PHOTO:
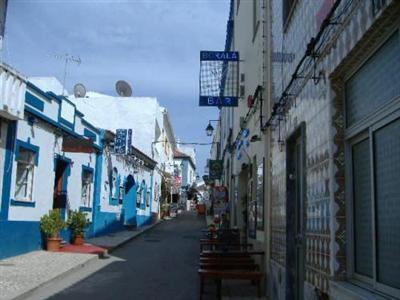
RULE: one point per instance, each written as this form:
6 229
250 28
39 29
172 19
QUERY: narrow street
160 264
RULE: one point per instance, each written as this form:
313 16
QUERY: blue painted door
129 203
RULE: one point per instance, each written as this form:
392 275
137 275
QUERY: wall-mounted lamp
210 128
255 138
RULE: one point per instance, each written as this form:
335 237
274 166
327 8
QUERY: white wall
42 136
75 179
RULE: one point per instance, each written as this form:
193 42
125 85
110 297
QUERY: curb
127 240
57 278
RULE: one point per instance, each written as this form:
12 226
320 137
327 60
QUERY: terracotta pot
53 244
78 240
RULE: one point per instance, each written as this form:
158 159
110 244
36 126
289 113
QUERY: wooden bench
219 275
227 259
228 266
217 245
208 253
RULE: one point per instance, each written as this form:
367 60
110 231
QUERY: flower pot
78 240
53 244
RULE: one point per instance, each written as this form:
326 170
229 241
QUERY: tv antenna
123 88
67 58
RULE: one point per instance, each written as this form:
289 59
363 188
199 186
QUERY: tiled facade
319 106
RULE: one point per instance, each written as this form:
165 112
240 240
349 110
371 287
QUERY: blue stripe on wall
90 134
8 163
34 101
19 237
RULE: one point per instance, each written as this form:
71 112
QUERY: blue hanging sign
120 141
129 140
219 55
218 101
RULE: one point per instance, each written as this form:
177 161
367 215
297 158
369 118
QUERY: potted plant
51 225
77 222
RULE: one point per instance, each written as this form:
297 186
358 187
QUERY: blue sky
152 44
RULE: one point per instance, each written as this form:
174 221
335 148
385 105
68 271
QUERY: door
60 185
129 202
295 215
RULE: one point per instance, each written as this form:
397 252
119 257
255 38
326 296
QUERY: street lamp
210 128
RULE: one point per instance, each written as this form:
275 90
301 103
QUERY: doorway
129 202
60 196
295 214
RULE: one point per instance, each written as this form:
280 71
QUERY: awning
76 144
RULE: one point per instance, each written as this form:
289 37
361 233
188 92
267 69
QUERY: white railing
12 93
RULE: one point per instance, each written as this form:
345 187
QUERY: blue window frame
27 158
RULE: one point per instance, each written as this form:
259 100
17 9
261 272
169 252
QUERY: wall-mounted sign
219 78
120 141
219 55
218 101
129 142
215 169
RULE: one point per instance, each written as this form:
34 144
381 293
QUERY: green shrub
52 223
77 222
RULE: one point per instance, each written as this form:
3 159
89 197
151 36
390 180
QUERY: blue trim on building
90 134
18 237
39 91
85 209
142 220
92 127
87 169
44 118
96 194
22 203
66 123
34 101
27 146
7 174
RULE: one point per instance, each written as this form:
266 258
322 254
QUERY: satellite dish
123 88
79 90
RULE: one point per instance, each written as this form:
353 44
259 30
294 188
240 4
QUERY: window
25 174
87 179
376 83
121 194
373 118
114 183
139 196
148 198
287 9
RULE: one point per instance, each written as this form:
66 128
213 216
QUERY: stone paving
23 273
